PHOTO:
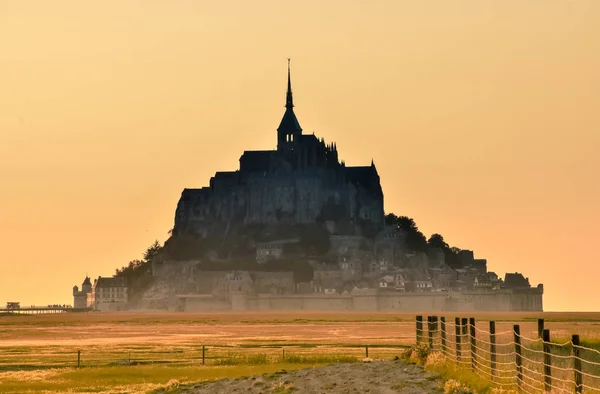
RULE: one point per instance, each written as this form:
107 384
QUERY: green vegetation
319 359
454 379
138 273
290 358
243 359
128 378
416 241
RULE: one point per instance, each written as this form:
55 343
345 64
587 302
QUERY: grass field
138 352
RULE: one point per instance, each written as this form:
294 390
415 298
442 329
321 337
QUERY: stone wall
273 282
375 300
201 303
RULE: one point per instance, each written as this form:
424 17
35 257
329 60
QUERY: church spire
289 129
289 100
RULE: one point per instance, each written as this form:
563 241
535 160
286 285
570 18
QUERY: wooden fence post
540 328
443 334
457 330
547 362
518 359
283 353
203 354
78 358
464 333
473 344
419 328
492 348
430 330
366 351
434 323
577 364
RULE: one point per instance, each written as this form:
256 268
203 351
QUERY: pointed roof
289 122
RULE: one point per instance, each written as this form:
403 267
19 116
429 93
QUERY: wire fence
510 356
511 360
249 350
191 355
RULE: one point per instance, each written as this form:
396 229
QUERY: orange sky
483 118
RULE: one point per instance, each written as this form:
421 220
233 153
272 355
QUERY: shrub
243 359
417 354
455 387
435 360
500 390
319 359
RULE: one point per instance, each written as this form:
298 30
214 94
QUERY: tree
138 268
415 240
314 240
152 251
437 241
452 258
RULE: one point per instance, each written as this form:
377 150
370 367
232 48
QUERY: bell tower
289 129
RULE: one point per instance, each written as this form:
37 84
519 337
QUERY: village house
272 250
351 268
108 294
443 277
418 281
466 277
273 282
392 280
234 282
327 278
329 286
482 283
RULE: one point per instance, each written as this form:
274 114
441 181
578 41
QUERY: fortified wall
373 300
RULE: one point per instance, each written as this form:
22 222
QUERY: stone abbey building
295 228
301 182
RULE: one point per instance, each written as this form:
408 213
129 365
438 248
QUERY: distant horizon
482 120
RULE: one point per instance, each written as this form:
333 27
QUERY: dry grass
137 352
137 379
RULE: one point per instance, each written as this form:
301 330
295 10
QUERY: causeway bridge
34 309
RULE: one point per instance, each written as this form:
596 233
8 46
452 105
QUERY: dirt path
379 377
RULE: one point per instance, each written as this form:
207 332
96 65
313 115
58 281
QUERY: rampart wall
372 300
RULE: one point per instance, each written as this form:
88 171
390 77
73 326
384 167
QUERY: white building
108 294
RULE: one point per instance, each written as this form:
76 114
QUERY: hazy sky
483 118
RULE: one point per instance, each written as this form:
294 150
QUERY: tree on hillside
138 268
152 251
415 240
437 241
452 258
314 240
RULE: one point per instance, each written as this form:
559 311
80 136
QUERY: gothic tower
289 129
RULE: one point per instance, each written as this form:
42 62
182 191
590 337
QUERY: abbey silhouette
302 181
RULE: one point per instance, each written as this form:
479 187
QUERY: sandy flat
379 377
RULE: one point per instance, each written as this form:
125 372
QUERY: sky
481 117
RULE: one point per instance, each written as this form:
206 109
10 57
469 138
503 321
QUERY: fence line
511 360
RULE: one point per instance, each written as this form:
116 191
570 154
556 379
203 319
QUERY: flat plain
141 351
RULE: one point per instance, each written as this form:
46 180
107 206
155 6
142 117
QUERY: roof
256 160
516 280
111 282
365 176
309 139
87 281
224 177
189 194
220 175
289 123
